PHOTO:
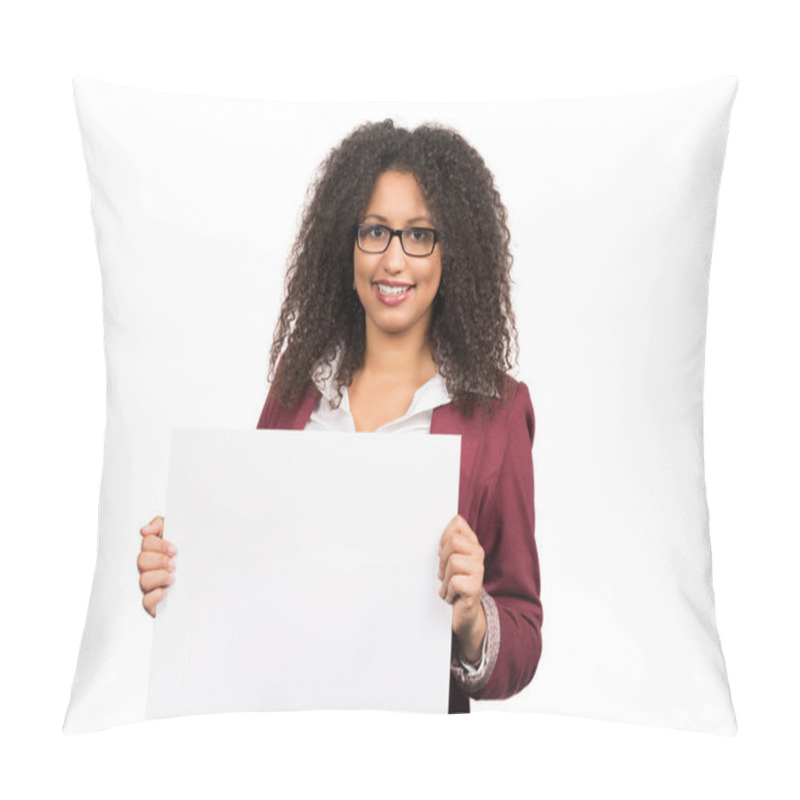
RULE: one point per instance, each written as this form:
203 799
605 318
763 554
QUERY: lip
392 300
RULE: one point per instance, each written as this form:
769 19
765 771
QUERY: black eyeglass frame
392 233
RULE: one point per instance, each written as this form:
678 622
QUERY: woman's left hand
461 573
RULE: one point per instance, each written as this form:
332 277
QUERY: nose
394 258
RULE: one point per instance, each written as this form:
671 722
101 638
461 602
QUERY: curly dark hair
473 333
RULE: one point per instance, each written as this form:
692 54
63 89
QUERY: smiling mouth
392 291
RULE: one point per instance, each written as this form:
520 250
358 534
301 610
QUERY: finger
153 528
458 543
463 527
445 554
149 560
462 586
158 545
451 528
154 578
152 599
456 525
459 564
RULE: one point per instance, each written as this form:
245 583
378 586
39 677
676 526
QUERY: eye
375 231
420 235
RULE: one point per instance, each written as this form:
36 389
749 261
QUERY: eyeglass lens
415 241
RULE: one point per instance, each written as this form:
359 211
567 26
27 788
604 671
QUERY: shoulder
514 407
519 397
512 399
510 407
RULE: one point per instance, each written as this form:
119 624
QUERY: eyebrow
409 222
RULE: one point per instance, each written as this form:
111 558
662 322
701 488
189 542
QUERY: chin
396 326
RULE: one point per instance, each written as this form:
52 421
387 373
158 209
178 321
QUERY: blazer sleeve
511 568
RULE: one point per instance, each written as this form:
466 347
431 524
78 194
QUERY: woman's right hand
156 564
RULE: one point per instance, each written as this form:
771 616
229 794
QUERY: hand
156 564
461 573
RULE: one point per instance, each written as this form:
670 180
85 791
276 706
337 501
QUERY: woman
397 317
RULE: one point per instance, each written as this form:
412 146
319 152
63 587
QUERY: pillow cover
612 205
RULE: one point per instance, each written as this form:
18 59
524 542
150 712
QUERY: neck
406 356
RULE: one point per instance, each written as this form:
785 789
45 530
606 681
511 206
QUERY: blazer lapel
306 408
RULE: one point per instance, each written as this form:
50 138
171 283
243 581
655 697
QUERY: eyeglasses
417 242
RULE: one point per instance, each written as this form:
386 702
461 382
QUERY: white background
53 386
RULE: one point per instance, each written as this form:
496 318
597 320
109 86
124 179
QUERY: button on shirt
417 419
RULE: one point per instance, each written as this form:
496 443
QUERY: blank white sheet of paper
306 574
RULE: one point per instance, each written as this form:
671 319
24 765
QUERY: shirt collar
431 394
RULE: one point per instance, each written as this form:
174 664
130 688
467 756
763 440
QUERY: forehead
397 194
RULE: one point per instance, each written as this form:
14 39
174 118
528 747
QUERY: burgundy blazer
496 499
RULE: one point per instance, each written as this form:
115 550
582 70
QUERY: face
397 203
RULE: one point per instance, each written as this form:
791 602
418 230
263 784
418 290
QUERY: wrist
470 640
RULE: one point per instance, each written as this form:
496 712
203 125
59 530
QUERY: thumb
154 528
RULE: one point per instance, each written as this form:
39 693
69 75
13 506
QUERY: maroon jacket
496 499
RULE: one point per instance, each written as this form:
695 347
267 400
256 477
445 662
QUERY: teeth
392 289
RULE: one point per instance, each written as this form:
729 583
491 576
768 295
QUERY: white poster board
306 572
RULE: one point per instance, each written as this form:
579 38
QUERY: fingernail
170 579
171 565
172 549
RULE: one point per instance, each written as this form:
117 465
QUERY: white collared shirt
417 419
